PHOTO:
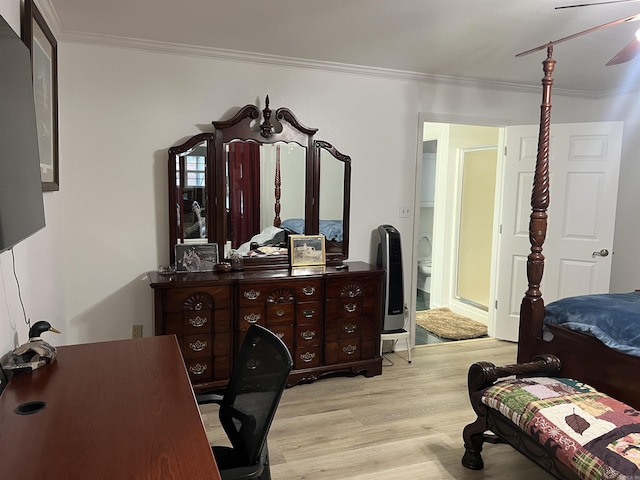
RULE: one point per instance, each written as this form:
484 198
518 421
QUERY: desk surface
115 410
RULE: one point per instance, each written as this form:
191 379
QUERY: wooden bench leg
473 436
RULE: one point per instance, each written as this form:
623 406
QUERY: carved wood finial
266 128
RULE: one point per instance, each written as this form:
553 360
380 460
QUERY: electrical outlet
136 331
405 211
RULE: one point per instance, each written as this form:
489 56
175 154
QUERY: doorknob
602 253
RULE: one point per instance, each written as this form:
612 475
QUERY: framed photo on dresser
306 250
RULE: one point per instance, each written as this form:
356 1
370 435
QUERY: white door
584 161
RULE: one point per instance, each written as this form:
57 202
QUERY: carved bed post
532 306
278 183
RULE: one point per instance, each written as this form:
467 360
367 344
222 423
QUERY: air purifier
388 253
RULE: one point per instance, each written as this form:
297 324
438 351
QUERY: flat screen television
21 201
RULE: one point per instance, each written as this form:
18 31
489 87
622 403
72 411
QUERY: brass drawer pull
309 290
349 349
308 312
308 334
251 294
252 318
280 335
280 313
350 327
350 307
307 357
198 306
197 346
197 369
198 321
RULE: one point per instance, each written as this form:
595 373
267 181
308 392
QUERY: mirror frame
242 127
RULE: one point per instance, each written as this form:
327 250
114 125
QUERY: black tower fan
389 257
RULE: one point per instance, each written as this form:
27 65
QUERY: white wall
121 109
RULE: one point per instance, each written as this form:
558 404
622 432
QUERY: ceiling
440 40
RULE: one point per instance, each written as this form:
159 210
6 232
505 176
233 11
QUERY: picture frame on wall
200 257
43 46
307 250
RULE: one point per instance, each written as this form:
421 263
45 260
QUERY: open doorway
455 195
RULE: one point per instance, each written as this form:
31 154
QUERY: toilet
424 262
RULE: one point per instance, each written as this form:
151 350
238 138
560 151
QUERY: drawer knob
350 307
350 327
280 335
308 312
197 369
308 334
198 321
280 313
309 290
252 318
198 306
251 294
197 346
307 357
349 349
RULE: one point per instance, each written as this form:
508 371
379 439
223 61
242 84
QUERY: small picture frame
306 250
201 257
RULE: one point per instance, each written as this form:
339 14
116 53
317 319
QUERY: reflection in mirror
189 214
335 177
265 187
191 193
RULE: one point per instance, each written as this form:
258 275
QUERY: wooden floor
404 424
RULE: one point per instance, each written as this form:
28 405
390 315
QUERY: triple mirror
254 181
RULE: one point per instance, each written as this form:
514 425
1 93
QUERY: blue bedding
613 318
331 229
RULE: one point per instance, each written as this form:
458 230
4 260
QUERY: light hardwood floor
404 424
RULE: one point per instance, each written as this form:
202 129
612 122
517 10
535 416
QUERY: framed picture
201 257
44 63
307 250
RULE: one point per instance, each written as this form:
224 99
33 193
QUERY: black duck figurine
36 352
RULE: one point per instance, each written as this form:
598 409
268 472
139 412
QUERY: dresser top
194 278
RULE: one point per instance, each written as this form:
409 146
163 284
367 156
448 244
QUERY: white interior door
584 161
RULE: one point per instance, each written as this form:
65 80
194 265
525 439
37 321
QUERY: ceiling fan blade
595 3
579 34
627 53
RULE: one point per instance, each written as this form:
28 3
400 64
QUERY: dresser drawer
280 314
249 316
206 298
206 345
342 329
307 357
199 369
284 333
342 351
309 290
353 286
198 322
309 312
310 334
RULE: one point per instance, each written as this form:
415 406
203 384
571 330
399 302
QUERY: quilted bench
567 427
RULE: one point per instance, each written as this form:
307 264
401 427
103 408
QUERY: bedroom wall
121 109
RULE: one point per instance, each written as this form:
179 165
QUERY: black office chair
249 404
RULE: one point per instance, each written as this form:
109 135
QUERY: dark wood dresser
329 318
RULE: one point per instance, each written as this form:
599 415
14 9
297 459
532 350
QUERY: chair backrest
252 396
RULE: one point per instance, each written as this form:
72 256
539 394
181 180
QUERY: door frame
443 170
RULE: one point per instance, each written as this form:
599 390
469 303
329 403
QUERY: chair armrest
484 374
208 398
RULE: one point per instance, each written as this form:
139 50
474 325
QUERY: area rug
443 323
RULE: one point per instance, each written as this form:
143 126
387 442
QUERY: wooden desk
115 410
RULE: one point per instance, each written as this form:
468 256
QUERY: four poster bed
571 406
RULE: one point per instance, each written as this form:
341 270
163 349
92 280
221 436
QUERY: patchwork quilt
595 435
